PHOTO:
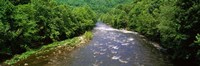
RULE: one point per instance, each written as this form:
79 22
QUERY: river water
109 47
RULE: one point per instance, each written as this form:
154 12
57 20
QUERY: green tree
18 2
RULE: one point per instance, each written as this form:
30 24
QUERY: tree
18 2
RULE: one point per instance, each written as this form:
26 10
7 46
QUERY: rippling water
111 47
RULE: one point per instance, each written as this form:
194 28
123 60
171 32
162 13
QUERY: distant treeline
99 6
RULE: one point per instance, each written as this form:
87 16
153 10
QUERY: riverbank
111 47
68 44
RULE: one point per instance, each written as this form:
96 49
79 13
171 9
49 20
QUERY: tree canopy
174 24
38 22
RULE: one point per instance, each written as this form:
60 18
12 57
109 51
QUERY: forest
29 24
174 24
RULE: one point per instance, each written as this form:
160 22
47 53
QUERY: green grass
88 35
46 48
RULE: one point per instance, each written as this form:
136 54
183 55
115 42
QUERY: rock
26 64
59 52
59 46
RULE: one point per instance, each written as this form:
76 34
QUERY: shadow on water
110 47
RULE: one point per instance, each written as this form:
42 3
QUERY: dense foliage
172 23
99 6
27 24
24 26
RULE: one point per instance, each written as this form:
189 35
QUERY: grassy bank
74 42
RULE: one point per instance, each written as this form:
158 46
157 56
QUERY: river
109 47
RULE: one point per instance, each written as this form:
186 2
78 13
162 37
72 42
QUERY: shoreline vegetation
70 44
31 24
171 23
